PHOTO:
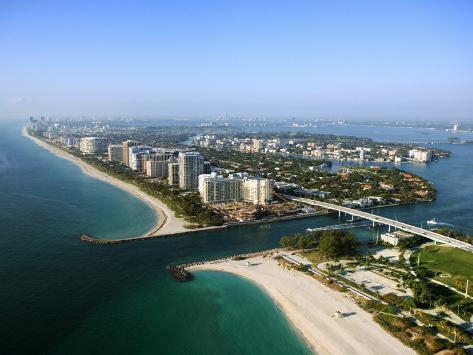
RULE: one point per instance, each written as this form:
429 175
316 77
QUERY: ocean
60 295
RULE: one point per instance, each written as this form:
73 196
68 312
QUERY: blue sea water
60 295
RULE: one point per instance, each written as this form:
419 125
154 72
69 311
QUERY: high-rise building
207 167
173 172
115 152
126 146
93 145
134 156
238 187
191 165
257 191
257 145
155 164
421 155
217 189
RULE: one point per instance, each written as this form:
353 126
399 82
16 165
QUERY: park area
448 265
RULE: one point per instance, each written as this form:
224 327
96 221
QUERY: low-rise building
394 238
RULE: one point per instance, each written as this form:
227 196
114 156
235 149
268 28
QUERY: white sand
167 222
309 306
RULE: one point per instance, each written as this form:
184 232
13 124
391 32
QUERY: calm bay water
59 295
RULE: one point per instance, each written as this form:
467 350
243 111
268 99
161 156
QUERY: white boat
432 221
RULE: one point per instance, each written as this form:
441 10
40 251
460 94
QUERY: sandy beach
167 222
309 306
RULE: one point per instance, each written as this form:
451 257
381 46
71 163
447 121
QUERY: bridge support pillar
373 224
389 228
339 214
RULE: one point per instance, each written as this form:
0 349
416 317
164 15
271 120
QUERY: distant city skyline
347 60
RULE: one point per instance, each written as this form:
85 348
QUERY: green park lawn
452 266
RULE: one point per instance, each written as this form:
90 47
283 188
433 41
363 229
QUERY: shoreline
167 223
309 306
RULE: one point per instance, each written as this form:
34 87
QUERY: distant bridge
387 221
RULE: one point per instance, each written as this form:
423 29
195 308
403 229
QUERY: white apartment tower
93 145
126 150
217 189
257 191
191 165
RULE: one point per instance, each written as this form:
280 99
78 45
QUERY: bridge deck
390 222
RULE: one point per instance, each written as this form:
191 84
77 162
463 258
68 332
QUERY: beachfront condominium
156 163
126 146
173 172
115 152
93 145
236 188
217 189
257 191
191 165
134 156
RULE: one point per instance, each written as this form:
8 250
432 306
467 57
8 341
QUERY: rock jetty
180 273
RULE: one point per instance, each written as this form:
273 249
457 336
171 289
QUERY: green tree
334 244
286 242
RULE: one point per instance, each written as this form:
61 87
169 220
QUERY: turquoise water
59 295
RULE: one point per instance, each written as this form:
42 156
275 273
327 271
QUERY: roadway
387 221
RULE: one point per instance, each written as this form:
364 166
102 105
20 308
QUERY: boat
432 221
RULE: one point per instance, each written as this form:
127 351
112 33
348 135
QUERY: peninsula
167 222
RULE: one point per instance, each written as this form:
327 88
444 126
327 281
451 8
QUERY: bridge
387 221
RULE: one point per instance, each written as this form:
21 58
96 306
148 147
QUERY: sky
318 59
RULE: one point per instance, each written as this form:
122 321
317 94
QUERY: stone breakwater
233 257
180 272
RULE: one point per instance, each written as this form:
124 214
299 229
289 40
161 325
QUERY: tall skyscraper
126 146
217 189
135 154
238 187
93 145
115 152
173 172
257 191
191 165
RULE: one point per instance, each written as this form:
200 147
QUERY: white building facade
191 165
93 145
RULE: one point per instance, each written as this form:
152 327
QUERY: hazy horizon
396 60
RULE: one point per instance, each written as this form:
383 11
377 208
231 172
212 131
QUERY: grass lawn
452 266
313 256
456 265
